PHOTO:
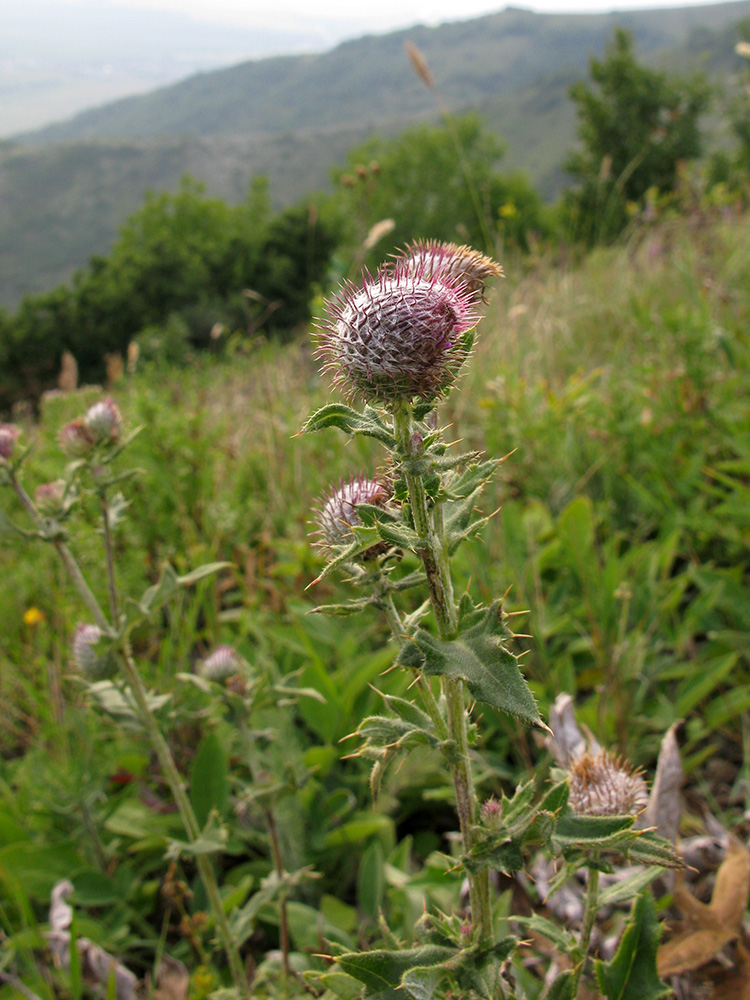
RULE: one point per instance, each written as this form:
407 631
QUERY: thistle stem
591 908
433 551
109 549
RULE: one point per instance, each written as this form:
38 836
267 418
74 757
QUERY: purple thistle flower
8 435
337 514
399 335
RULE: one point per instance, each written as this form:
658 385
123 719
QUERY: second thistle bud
103 422
338 512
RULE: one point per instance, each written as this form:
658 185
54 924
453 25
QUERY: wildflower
338 513
32 616
92 664
447 260
491 813
103 422
606 786
8 435
223 662
50 498
399 335
76 440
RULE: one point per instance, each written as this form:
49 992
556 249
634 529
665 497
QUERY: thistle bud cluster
101 425
50 498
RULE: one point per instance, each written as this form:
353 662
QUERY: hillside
66 189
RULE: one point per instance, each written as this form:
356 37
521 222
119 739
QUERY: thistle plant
101 646
397 343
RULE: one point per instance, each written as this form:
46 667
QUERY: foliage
422 181
181 256
636 126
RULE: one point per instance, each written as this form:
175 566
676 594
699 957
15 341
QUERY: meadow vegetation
615 382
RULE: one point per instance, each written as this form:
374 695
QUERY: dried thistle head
448 260
399 335
604 785
337 514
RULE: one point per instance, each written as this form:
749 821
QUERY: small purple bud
338 512
492 812
50 499
8 435
103 421
397 336
223 662
76 440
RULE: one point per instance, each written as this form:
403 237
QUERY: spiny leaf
632 975
477 657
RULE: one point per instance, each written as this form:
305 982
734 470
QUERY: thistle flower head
606 786
8 435
223 662
50 498
337 514
398 335
92 664
76 440
103 421
429 258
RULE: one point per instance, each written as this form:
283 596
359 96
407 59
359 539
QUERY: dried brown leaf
708 928
172 980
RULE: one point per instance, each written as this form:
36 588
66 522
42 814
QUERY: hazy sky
377 15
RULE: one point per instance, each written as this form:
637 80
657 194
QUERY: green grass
621 387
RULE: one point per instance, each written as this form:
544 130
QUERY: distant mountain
65 189
59 58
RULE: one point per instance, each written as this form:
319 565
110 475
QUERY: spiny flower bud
223 662
397 336
491 812
95 666
338 513
8 436
605 786
76 440
103 421
50 498
429 258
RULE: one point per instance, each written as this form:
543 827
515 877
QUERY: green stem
109 549
433 551
589 917
187 814
159 744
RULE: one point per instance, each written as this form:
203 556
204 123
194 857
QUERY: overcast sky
375 15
